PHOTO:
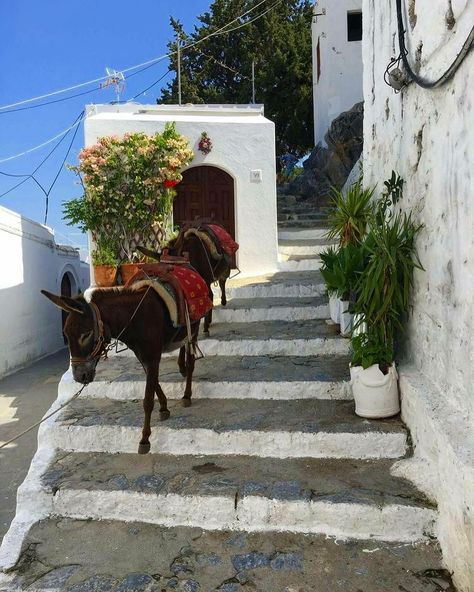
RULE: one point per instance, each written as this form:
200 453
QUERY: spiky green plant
350 217
385 285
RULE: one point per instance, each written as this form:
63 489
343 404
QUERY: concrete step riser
264 347
251 513
272 291
303 265
280 313
295 250
298 234
123 439
282 390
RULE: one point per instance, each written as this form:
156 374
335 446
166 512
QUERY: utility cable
428 84
42 144
150 63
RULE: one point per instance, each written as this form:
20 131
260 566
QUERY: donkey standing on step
141 321
201 258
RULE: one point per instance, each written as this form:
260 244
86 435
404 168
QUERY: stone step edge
393 522
276 313
281 390
204 441
319 346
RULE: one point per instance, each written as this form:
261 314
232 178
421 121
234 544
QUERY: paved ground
24 398
145 558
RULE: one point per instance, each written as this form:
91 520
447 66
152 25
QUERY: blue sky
51 44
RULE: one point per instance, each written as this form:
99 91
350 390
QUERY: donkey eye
85 337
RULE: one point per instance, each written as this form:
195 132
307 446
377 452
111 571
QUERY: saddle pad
227 243
192 286
206 240
195 291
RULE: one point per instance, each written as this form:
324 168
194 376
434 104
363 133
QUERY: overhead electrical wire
150 62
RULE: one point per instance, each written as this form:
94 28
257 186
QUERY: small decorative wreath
205 144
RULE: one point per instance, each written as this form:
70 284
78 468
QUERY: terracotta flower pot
128 270
105 276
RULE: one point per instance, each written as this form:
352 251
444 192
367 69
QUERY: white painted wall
30 326
243 140
340 84
428 137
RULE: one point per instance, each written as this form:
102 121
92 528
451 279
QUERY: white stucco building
427 136
30 327
234 184
337 61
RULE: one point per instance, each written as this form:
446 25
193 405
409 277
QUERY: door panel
206 192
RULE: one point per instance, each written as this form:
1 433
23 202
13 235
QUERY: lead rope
32 427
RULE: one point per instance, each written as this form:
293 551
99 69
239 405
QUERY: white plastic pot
334 308
375 393
345 319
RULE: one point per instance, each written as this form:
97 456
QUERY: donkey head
80 331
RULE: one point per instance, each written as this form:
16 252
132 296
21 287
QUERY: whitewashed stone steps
105 555
304 247
314 337
299 263
250 310
277 429
345 499
278 285
224 377
292 233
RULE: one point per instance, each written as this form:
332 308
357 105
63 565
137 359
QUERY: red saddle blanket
186 285
195 291
226 242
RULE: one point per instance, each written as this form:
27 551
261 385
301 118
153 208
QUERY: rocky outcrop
330 167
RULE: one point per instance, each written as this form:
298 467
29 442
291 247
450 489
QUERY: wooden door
206 192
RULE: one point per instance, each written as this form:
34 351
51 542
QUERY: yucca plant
342 268
385 284
350 217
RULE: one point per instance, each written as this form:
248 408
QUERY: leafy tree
218 70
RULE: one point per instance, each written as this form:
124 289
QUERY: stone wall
427 136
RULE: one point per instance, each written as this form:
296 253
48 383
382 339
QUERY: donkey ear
64 302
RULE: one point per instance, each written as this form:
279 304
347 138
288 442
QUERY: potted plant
129 187
383 299
351 214
105 264
329 258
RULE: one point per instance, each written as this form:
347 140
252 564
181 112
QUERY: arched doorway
66 290
206 192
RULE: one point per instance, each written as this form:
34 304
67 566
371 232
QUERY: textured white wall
242 139
427 136
340 84
30 326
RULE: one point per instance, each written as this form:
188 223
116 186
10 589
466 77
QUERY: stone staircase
268 483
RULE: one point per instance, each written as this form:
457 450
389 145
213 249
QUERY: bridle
101 342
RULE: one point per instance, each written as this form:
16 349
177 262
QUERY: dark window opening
354 26
318 59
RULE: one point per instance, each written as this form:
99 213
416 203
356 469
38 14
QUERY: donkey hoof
183 372
144 448
206 332
186 402
224 302
164 415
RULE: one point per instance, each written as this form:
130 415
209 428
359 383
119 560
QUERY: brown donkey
201 255
141 321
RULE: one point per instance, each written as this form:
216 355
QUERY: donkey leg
208 317
148 404
182 361
222 287
164 413
189 377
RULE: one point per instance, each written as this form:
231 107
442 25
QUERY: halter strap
99 337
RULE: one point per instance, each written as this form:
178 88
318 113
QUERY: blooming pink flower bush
128 188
